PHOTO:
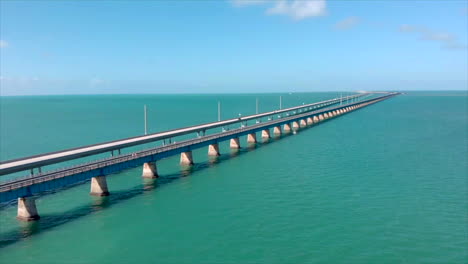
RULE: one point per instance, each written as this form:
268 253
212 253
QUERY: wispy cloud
296 9
3 43
94 82
445 39
299 9
347 23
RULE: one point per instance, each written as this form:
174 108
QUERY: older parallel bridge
24 189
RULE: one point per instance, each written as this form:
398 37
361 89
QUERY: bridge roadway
28 163
35 184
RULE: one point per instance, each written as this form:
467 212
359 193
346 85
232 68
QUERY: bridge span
37 161
24 189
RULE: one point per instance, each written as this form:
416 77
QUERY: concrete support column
330 114
287 128
186 158
295 125
310 121
303 123
325 116
266 133
149 170
213 149
99 186
277 130
321 117
252 138
316 119
27 210
234 144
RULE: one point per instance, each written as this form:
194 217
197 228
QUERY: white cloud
94 82
3 43
438 36
455 46
298 9
445 39
347 23
407 28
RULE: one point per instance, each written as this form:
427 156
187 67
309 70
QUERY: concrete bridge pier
321 117
252 138
99 186
186 158
266 134
277 130
295 125
309 121
213 150
326 116
149 170
27 210
234 144
303 123
315 119
287 128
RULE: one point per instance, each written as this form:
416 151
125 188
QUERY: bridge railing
16 165
102 163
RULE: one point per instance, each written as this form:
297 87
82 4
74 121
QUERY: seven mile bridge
24 190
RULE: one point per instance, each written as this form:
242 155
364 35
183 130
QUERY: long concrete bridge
24 189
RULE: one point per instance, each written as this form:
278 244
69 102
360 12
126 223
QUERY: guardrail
11 166
64 172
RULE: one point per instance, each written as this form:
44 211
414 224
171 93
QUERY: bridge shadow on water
48 222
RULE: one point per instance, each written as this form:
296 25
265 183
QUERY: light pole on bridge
146 121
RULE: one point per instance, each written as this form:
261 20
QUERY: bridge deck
53 179
17 165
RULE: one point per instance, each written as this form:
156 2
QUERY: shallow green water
384 184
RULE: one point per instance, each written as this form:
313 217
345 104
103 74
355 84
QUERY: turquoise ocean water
384 184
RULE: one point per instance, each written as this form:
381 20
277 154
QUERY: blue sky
65 47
